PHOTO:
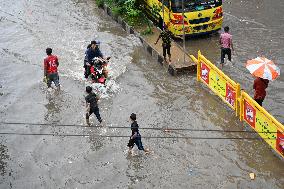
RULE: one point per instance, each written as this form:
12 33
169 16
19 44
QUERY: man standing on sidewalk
166 44
226 45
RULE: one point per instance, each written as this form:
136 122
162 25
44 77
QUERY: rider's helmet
98 43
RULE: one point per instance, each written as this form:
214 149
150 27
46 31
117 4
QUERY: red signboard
230 95
204 74
249 114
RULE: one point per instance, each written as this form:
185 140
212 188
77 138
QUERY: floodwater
138 85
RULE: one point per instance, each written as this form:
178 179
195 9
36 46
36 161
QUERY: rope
124 136
145 128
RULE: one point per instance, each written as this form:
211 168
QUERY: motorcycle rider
91 52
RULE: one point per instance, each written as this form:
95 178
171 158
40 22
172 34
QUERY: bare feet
147 151
130 152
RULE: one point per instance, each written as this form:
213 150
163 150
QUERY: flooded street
138 84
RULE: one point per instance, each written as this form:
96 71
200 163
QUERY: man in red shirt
259 87
50 69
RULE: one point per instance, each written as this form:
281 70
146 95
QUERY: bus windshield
194 5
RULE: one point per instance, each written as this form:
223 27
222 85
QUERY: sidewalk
177 63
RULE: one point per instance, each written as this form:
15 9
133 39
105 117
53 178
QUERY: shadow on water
97 143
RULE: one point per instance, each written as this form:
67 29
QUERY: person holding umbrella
264 70
259 87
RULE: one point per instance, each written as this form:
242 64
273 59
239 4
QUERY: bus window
194 5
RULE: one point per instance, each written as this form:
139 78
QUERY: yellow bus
200 16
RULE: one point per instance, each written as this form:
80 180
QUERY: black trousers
166 50
87 70
96 111
259 101
137 141
224 52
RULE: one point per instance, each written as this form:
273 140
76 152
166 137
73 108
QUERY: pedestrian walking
226 45
92 105
259 87
135 136
166 43
50 69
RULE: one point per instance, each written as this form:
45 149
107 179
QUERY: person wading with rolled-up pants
135 136
92 105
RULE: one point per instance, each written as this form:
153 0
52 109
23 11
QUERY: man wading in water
50 69
226 45
135 136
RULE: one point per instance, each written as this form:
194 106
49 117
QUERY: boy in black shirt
135 136
92 105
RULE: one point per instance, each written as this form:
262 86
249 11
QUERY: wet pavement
138 85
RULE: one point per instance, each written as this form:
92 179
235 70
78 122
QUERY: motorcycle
99 72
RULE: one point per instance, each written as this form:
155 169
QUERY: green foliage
147 31
130 10
155 10
100 3
117 10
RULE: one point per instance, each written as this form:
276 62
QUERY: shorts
53 77
224 52
136 141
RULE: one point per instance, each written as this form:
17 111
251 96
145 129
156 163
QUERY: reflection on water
134 171
53 109
96 142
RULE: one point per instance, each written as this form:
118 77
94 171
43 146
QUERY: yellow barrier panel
249 110
218 82
263 123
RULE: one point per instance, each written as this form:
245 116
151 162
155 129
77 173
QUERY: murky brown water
28 27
